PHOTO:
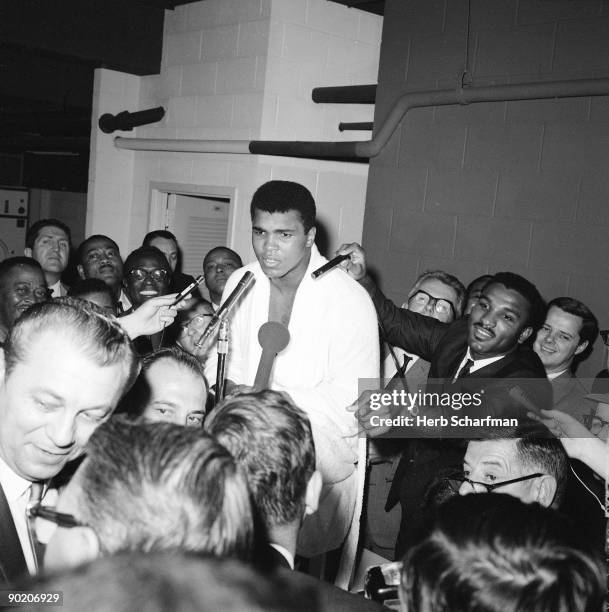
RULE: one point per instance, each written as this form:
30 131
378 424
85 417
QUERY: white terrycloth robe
333 343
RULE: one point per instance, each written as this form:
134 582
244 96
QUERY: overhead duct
365 149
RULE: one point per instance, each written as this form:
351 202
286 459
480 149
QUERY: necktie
464 371
398 380
36 492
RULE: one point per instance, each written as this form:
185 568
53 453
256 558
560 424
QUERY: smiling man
99 257
48 242
566 335
22 284
333 343
62 371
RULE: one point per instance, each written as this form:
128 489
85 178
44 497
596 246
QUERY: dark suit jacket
12 561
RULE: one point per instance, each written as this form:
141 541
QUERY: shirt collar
284 552
480 363
12 484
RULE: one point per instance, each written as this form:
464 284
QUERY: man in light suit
48 241
483 353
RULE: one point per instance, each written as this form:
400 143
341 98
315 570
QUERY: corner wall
242 69
518 186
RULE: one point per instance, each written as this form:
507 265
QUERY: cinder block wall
519 186
240 69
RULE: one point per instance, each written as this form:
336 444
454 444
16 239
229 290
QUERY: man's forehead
290 219
437 288
24 273
491 451
497 292
52 231
148 261
565 320
100 243
220 255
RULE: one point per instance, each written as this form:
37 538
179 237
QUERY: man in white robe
333 343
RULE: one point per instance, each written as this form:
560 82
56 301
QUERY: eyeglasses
50 514
197 323
140 274
595 424
456 482
440 305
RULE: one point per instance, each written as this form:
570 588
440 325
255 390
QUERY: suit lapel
12 561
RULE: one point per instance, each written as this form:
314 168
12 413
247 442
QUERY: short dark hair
519 284
222 248
589 330
159 486
9 264
88 286
80 251
166 234
34 230
97 334
145 251
283 196
492 553
271 439
485 278
135 402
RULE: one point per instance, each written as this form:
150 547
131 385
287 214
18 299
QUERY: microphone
247 280
273 338
328 266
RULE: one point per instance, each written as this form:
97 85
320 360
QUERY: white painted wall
240 69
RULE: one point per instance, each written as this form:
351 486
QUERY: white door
200 224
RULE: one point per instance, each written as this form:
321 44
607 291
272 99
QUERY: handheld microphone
328 266
273 338
247 280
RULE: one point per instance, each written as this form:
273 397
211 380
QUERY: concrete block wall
244 69
516 186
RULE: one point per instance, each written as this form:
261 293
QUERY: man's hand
364 413
355 266
152 316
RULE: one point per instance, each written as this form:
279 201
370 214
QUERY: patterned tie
398 381
36 492
464 371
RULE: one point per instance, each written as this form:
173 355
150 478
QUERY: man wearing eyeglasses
147 274
22 284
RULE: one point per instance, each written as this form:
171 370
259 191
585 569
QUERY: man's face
169 248
493 461
281 245
22 287
474 294
51 249
193 322
497 323
434 299
147 278
177 395
558 341
217 267
102 260
51 403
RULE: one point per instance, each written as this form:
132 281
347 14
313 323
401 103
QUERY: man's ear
313 493
524 334
81 272
311 237
27 252
581 347
544 490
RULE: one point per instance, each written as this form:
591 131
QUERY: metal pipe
365 126
126 121
345 94
364 149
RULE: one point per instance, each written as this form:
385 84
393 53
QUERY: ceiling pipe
365 126
365 149
345 94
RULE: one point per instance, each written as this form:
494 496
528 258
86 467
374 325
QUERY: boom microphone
247 280
273 338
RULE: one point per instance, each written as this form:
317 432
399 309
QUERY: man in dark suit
484 353
271 440
63 369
